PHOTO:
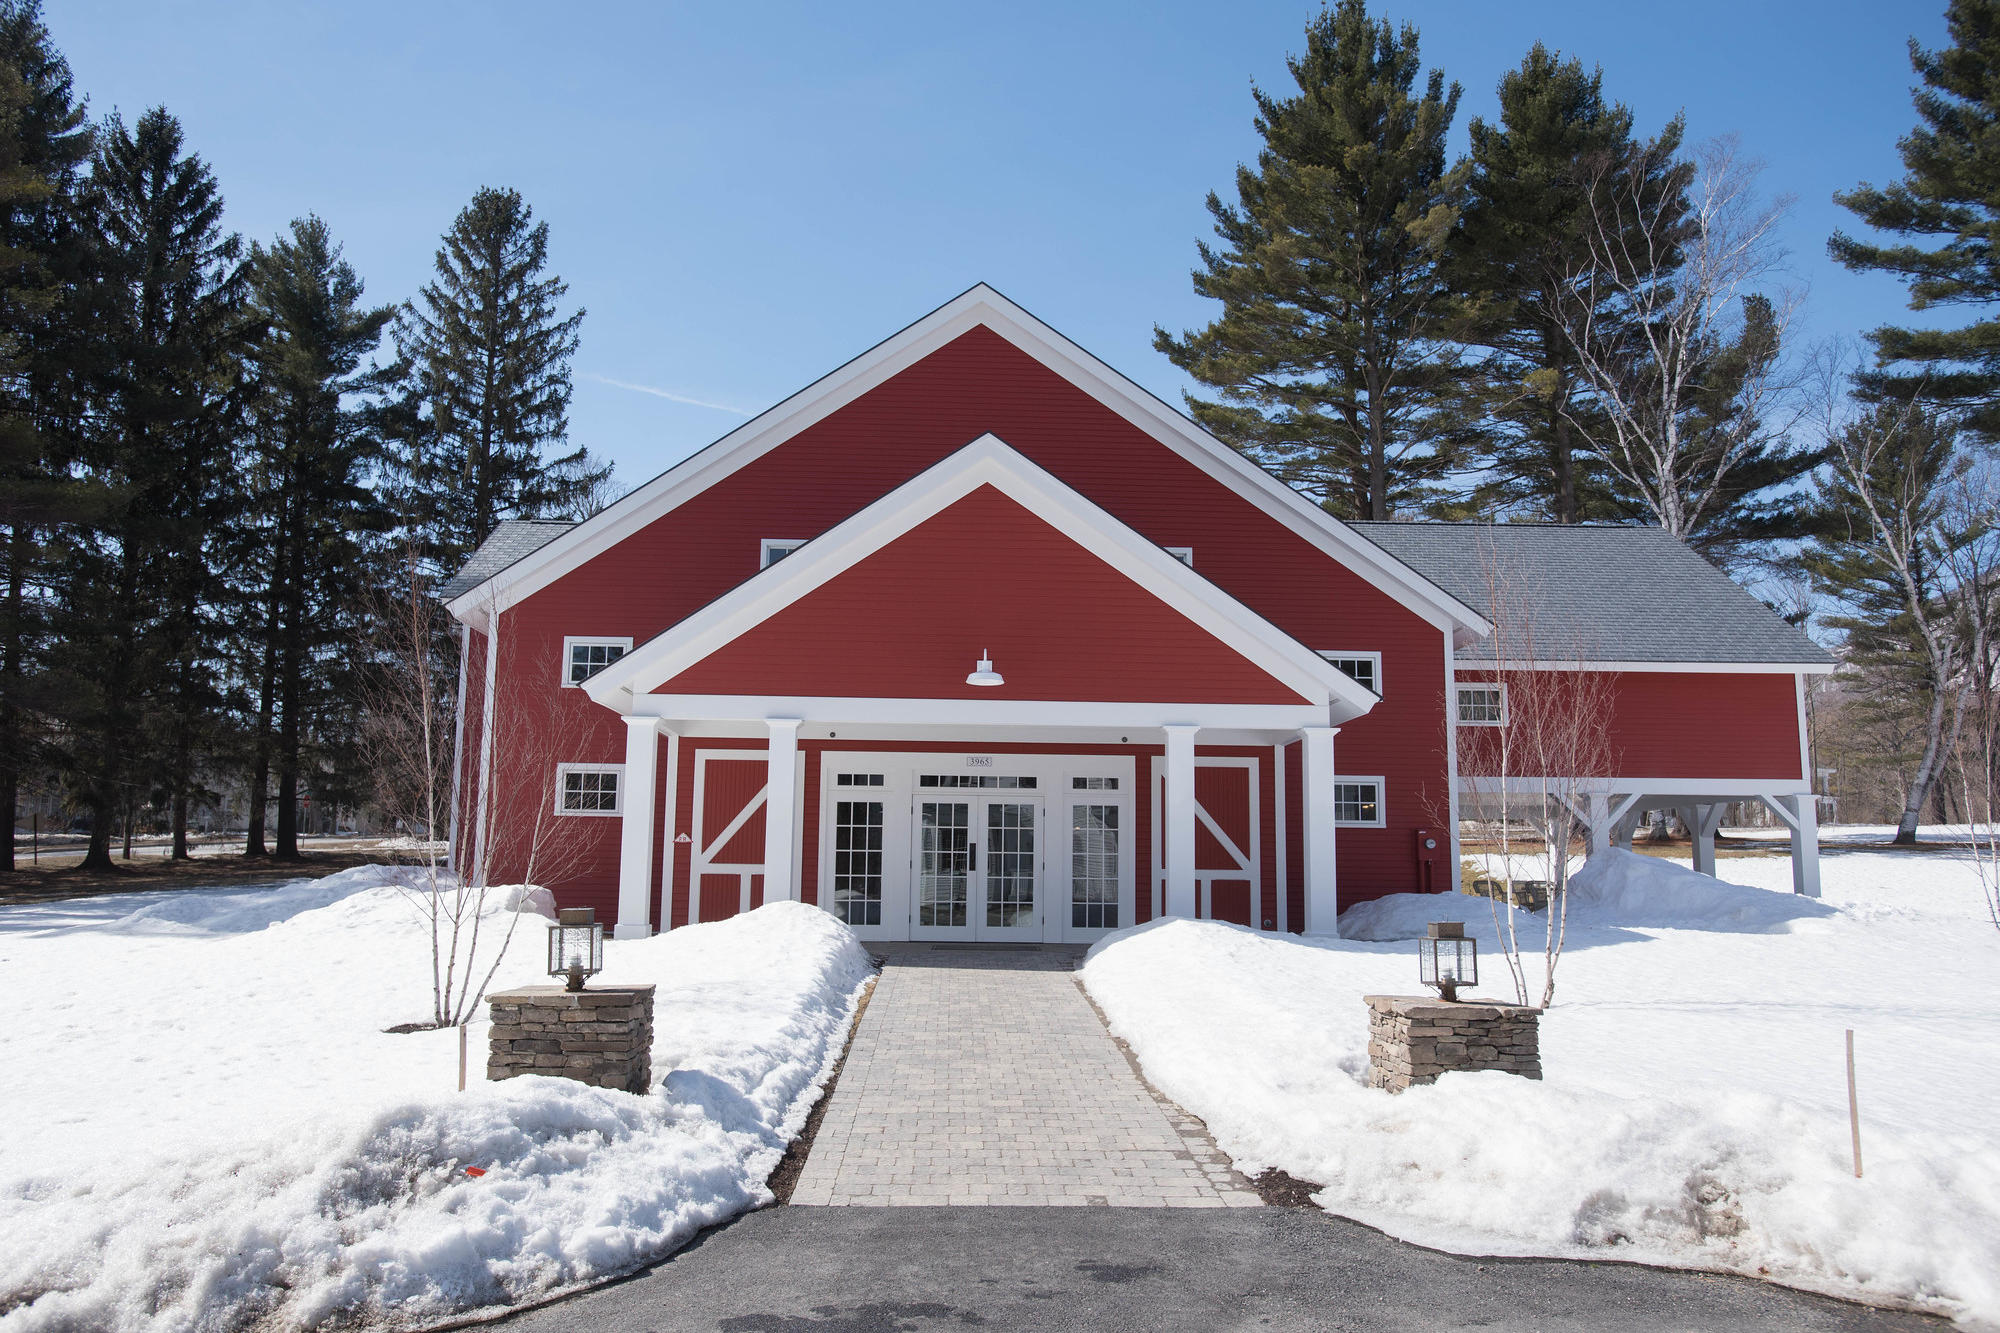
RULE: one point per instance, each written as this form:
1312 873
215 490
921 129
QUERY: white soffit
987 461
981 305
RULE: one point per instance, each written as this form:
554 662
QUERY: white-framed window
584 657
773 549
1357 802
1482 705
1365 668
1184 554
590 789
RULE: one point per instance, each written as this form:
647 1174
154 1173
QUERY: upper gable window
773 549
1365 668
1184 554
584 658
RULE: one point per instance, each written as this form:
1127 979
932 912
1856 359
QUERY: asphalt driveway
873 1270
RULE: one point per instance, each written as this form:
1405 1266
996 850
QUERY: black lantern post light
1446 959
576 946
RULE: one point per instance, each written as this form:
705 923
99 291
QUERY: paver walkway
987 1078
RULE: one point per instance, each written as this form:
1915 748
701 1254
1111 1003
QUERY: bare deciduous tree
1682 355
1542 765
408 741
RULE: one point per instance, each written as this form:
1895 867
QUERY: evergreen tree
139 651
1948 205
308 549
489 357
44 142
1522 241
1332 355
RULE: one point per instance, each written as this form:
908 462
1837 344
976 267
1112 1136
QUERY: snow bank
1694 1113
227 1138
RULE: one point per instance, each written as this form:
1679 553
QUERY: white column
1322 886
1702 828
635 842
1600 824
1805 843
781 816
1179 819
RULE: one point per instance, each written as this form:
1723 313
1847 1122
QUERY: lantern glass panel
582 946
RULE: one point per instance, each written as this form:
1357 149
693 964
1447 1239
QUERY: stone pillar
1316 803
781 810
1179 819
1413 1039
635 843
603 1037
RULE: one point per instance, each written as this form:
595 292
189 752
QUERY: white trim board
977 307
987 461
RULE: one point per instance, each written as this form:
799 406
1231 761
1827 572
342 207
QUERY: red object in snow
475 1170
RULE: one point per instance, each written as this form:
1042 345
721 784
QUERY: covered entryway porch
1020 833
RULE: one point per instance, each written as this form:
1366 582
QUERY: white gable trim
979 306
987 461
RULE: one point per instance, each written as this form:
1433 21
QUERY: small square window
588 789
1482 705
1184 554
584 658
1358 801
1093 784
773 549
1364 668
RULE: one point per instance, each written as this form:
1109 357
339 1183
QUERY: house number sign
979 761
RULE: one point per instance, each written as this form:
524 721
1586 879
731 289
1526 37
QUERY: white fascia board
847 711
1709 668
987 461
1714 789
979 306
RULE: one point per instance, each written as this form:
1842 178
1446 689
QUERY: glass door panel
1095 870
1010 864
857 862
944 863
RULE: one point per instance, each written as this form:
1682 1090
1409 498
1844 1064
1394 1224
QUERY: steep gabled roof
986 462
513 539
981 306
1617 594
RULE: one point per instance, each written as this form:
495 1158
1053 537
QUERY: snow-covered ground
1694 1111
208 1128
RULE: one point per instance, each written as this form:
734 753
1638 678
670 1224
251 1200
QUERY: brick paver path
988 1078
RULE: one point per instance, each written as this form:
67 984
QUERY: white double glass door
979 866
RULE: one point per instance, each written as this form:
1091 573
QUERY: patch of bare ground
785 1176
30 884
1280 1190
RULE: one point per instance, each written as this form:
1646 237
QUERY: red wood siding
1680 724
910 620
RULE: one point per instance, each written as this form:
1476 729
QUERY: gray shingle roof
514 538
1606 593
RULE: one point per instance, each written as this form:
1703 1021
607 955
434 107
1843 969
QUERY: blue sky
746 195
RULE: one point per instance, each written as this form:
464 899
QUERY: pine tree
44 142
1522 240
1332 355
1948 205
140 652
489 357
309 542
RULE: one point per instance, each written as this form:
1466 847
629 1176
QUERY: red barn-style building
975 639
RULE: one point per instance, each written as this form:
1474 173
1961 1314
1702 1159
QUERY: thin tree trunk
19 542
1926 774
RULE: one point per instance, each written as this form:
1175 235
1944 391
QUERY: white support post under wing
1600 824
635 841
781 811
1805 843
1706 820
1321 882
1179 819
